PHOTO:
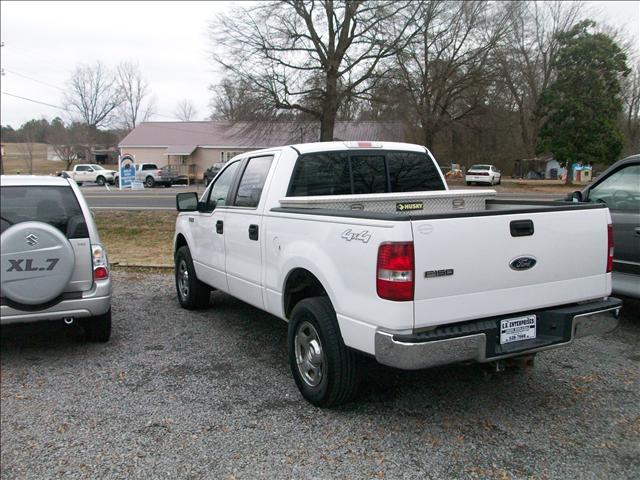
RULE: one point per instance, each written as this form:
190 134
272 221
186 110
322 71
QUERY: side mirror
575 197
187 202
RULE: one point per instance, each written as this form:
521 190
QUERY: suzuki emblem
31 240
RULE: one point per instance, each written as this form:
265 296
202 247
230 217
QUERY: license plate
517 329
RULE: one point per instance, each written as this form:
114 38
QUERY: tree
583 103
631 99
186 110
235 101
29 132
66 141
310 57
137 105
444 72
524 57
94 94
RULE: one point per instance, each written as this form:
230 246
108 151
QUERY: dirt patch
137 237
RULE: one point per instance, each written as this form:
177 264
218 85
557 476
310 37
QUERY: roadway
110 198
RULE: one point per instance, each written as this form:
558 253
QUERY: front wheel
98 328
192 293
324 369
149 182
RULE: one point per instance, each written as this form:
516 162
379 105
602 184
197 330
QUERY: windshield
97 167
480 167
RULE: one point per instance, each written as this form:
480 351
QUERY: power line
33 79
35 101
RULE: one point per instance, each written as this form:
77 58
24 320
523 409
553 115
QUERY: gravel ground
177 394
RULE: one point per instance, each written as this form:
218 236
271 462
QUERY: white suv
53 264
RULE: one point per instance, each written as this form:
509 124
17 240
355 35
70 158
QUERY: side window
81 168
620 191
252 182
218 192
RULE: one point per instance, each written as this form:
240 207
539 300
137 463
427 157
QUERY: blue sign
127 170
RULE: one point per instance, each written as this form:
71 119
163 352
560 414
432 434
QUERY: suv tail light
609 248
100 262
395 272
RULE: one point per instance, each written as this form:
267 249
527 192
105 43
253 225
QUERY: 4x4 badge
31 240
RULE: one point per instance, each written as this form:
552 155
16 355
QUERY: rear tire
100 181
149 182
116 182
192 293
468 183
326 372
98 328
167 185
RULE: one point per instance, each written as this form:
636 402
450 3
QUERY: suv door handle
219 226
253 232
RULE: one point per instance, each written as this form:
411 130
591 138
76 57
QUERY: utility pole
1 146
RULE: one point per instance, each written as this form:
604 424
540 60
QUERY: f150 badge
363 237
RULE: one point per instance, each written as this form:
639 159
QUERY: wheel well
300 284
180 242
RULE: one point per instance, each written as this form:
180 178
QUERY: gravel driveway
177 394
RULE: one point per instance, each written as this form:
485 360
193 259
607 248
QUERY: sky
44 41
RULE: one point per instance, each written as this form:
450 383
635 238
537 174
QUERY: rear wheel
324 369
98 328
167 185
149 182
100 181
116 182
192 293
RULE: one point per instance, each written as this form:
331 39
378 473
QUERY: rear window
347 172
57 206
479 167
149 166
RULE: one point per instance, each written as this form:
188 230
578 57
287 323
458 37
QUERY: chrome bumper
414 355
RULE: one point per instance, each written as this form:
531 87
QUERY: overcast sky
45 40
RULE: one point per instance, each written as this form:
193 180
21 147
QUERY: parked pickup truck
150 175
363 249
86 172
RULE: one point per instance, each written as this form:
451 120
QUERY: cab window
620 191
252 182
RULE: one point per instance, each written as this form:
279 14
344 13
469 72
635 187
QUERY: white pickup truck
363 249
89 172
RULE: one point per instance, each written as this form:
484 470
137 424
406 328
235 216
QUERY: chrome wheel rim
183 279
309 354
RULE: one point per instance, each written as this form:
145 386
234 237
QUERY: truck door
243 235
208 231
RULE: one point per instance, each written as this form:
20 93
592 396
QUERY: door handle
253 232
219 226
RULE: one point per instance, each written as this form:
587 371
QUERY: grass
137 237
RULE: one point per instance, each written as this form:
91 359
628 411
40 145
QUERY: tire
98 328
167 185
100 181
149 182
333 378
116 182
192 293
493 180
468 183
499 180
79 184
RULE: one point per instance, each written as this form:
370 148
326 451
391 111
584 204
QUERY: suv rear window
358 172
57 206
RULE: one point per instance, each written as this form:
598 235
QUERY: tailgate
470 267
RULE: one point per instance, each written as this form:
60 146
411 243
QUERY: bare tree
310 56
28 145
445 72
186 110
235 101
137 105
525 54
631 99
67 141
94 94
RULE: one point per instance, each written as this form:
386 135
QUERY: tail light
100 262
609 248
395 272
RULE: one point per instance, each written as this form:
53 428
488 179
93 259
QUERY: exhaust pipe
68 320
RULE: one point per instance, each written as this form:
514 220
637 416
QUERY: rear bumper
478 341
96 301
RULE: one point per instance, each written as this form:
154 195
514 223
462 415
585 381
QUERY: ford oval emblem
523 263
